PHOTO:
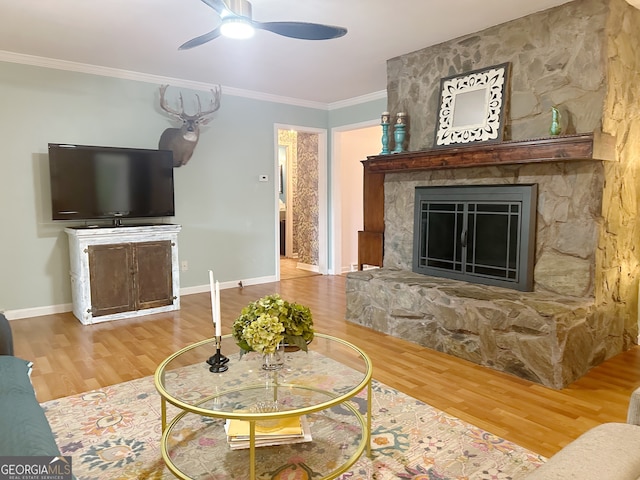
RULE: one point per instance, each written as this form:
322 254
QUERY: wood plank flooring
289 270
71 358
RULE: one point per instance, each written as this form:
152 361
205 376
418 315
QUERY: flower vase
275 360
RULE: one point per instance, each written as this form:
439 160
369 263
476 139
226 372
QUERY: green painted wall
227 216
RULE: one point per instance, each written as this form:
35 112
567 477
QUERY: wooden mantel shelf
589 146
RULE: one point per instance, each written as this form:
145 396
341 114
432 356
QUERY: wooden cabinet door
111 273
153 281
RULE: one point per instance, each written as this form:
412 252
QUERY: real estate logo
35 468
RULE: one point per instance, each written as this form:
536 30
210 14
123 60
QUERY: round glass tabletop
331 371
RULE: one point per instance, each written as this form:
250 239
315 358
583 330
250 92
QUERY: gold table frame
252 418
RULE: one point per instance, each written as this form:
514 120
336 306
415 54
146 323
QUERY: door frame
322 195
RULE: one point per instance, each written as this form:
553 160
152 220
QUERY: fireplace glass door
482 234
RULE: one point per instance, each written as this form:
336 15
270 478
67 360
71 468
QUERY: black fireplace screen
482 234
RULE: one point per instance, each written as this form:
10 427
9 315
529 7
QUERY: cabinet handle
463 239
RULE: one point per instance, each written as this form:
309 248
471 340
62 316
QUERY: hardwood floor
71 358
289 270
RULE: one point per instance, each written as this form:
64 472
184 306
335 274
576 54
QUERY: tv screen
90 182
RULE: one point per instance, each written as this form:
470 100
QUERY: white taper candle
218 318
213 298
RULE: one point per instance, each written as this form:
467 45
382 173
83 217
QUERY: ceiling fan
237 23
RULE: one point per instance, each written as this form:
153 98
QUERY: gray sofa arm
6 339
633 413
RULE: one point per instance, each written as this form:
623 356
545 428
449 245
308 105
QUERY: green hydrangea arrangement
271 320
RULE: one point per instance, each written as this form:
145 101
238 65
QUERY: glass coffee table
328 388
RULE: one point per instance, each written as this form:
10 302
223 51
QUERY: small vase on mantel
556 127
275 360
399 132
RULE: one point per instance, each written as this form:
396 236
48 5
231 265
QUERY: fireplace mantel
589 146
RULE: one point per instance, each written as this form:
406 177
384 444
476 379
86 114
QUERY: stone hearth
549 339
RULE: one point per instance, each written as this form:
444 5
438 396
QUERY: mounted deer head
182 141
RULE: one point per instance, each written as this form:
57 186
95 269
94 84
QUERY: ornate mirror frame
472 106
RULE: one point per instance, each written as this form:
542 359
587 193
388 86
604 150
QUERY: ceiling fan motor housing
239 7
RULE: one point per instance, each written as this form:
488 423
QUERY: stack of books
279 431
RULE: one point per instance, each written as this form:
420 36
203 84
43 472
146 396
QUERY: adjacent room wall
354 146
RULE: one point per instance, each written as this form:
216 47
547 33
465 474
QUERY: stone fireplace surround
584 61
552 335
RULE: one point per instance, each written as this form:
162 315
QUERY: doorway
351 144
301 225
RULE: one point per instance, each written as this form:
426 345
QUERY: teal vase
399 132
555 128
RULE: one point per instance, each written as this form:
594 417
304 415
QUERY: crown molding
45 62
358 100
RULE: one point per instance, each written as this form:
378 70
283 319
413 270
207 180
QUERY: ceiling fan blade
218 5
194 42
302 30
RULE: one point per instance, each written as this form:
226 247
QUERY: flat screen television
91 183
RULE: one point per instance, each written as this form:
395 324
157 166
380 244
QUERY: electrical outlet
184 265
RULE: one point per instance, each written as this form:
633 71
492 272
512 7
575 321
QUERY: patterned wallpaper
305 202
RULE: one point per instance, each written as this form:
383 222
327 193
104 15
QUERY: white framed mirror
472 106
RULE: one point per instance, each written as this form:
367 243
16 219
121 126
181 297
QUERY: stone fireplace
583 307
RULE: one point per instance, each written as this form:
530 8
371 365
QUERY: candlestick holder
399 132
218 362
384 123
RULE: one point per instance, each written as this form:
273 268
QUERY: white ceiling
144 35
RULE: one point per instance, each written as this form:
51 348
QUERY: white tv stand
123 272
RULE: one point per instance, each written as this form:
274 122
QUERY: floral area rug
114 433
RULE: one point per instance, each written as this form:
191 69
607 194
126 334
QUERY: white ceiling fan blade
302 30
195 42
219 6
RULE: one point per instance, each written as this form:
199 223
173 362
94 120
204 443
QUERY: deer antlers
215 104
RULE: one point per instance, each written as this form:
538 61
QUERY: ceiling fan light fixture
237 27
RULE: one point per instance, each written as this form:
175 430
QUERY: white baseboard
67 307
225 285
37 311
353 267
308 268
